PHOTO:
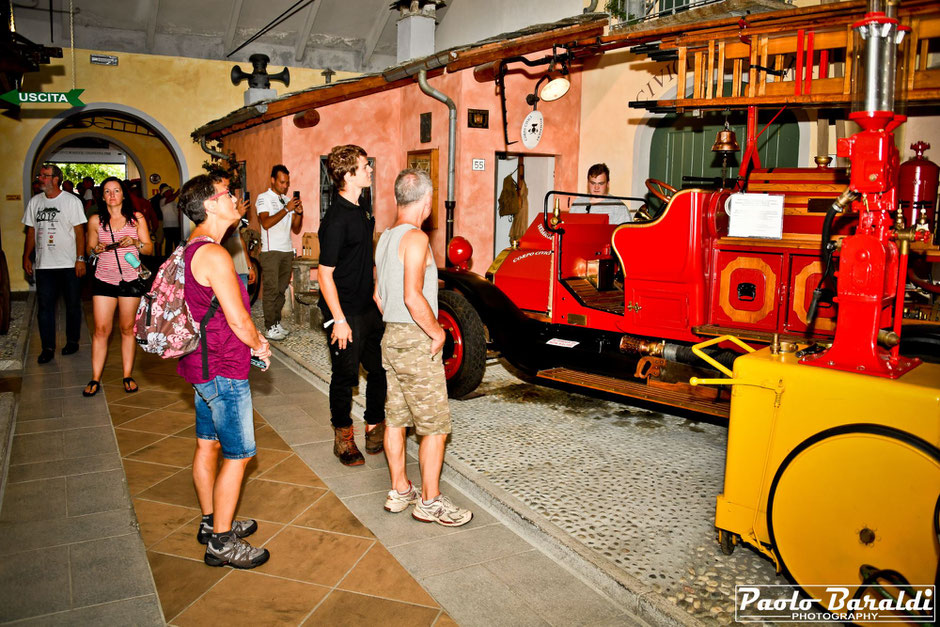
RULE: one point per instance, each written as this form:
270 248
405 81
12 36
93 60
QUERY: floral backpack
164 325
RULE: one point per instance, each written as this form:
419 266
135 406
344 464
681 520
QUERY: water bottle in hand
135 263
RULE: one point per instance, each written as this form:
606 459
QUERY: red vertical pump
873 261
917 188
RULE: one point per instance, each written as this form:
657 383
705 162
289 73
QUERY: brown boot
344 447
375 439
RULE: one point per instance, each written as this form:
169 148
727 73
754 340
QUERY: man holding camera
278 215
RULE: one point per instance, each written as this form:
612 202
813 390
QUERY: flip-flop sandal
127 385
94 385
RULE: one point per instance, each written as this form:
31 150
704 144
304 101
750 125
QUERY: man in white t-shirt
279 216
55 231
598 184
171 220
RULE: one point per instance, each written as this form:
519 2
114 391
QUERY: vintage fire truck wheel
852 498
465 346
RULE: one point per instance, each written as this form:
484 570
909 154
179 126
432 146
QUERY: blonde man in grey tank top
406 294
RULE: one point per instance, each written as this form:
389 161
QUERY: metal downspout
591 8
450 203
242 173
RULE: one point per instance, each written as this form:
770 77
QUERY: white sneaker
398 502
284 332
273 333
441 510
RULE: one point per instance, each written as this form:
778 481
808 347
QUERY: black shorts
101 288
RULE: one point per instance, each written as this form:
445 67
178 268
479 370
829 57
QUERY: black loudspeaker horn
259 78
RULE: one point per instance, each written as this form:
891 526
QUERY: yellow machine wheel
853 497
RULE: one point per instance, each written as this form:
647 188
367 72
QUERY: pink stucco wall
260 148
387 126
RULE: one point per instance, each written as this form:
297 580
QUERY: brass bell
726 141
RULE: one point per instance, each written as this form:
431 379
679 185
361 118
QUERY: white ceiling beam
232 25
372 39
304 34
152 23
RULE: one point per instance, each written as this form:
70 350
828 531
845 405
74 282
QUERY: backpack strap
213 307
203 341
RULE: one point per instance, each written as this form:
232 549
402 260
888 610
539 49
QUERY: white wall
469 21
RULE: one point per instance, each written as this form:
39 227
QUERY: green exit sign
18 98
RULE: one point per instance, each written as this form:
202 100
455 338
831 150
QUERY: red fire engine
617 308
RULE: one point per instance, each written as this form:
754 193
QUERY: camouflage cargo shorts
417 388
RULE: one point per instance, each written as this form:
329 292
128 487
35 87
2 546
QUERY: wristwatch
80 258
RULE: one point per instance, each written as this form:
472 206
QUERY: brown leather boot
375 439
344 447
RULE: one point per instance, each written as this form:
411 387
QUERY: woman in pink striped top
115 224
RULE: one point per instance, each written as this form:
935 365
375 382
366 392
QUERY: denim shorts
224 413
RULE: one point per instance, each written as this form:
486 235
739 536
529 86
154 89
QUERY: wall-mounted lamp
554 89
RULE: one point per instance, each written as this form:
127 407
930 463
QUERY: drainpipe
450 203
242 175
591 8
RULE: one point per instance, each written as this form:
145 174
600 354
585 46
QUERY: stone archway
52 125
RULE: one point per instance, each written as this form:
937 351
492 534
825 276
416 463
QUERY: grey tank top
390 273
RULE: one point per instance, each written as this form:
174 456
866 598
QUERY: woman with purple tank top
113 233
224 416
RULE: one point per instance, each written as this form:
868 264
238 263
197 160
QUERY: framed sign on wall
427 160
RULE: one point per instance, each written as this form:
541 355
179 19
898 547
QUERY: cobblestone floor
9 351
635 486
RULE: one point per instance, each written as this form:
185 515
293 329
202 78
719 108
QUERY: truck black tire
465 346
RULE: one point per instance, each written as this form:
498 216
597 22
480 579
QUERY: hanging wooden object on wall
426 160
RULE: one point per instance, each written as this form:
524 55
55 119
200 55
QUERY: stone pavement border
624 590
8 399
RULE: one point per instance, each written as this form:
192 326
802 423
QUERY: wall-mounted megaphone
259 78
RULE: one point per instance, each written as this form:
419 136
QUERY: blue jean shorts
224 413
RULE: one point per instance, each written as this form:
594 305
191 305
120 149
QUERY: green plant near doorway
98 172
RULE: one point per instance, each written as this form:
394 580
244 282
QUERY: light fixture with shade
556 87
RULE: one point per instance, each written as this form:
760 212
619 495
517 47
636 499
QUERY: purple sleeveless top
228 356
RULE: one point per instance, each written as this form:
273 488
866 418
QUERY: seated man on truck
598 184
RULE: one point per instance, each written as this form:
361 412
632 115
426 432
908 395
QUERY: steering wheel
660 189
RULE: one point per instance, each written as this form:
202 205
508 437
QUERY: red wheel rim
454 357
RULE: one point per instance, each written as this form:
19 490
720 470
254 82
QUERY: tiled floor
325 567
79 489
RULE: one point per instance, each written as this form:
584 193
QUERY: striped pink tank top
107 267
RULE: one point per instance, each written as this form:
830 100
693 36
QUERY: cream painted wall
179 94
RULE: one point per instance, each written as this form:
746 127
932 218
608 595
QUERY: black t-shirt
346 245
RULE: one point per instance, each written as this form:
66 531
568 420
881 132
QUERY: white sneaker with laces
442 511
284 332
273 333
398 502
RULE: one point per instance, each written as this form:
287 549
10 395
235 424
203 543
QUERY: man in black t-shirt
351 319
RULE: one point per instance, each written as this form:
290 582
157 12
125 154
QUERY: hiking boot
344 446
241 528
230 550
375 439
398 502
442 511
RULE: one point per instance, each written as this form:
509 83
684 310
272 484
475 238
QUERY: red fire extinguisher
917 188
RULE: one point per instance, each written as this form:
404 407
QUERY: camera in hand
113 246
296 194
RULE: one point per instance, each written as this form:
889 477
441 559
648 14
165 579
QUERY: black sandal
127 385
95 385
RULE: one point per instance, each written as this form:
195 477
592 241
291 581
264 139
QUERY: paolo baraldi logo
878 602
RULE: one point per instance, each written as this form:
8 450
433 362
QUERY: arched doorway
68 126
